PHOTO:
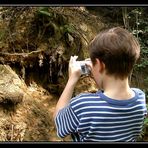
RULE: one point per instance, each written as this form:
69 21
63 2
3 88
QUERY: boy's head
117 49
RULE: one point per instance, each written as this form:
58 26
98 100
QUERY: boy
116 112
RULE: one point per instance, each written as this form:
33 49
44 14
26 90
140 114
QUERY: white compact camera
84 68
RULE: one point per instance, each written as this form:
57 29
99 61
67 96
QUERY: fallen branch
19 57
20 54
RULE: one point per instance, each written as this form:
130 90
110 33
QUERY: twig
12 132
81 34
20 54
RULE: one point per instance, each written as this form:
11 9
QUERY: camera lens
83 68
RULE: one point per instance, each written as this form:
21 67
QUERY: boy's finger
75 57
71 59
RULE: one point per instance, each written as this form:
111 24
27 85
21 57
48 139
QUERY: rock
25 112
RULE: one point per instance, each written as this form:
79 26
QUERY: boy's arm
74 75
66 95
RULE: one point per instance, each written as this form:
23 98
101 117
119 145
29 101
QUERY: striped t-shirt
95 117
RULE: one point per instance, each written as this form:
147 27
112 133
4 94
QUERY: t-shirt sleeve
66 122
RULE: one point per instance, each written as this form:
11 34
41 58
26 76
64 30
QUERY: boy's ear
101 65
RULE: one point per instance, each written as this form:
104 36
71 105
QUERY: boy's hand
74 69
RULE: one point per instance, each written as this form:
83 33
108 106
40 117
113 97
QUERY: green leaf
146 121
46 13
43 9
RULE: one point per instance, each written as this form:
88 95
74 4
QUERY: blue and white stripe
95 117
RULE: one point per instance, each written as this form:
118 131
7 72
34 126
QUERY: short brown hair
118 49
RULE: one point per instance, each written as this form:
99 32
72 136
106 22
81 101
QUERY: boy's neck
117 89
